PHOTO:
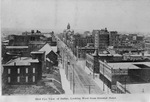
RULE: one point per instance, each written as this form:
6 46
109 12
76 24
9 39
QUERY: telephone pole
89 88
77 52
125 84
73 80
63 57
67 67
103 79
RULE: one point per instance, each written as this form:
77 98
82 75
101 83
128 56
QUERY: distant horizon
58 31
83 15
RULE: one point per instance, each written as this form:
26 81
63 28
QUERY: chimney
105 29
14 63
32 31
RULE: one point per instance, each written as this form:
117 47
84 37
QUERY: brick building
113 38
23 70
101 39
126 73
82 41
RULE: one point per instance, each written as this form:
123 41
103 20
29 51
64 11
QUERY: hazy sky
120 15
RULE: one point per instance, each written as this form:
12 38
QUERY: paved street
81 78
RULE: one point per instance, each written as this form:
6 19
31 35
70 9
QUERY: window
8 79
33 78
33 70
8 71
26 78
26 70
18 79
18 70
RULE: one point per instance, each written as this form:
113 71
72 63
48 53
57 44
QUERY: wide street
83 83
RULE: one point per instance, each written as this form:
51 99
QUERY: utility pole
125 85
103 79
73 80
67 67
77 52
89 88
63 57
93 73
70 80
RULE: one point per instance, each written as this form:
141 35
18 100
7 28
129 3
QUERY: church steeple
68 26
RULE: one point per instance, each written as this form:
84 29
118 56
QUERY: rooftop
16 47
21 61
138 88
5 41
128 65
37 52
37 42
47 48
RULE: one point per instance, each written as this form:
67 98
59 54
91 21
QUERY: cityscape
96 62
99 47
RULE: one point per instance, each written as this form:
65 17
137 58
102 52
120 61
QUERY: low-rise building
112 73
23 70
50 57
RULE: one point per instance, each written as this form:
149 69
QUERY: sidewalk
96 79
65 83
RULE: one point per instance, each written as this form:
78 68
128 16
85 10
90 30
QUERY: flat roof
117 55
21 61
5 41
123 66
37 52
138 88
105 54
37 42
127 65
16 47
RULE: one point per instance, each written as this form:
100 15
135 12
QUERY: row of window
18 70
18 79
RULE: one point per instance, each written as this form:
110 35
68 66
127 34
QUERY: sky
119 15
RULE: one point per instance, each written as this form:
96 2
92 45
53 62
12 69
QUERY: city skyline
119 15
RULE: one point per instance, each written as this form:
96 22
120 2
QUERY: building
22 45
23 70
40 55
116 74
101 39
113 38
82 51
50 57
129 73
92 62
67 34
147 45
12 52
24 40
82 41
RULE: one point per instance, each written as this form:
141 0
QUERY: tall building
82 41
101 39
67 34
113 38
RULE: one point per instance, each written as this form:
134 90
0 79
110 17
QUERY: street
83 83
